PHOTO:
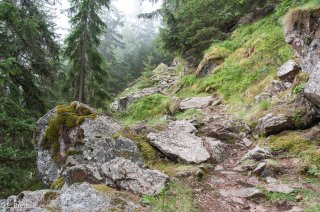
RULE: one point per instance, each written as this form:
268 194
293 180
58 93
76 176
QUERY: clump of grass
148 107
178 197
190 114
189 80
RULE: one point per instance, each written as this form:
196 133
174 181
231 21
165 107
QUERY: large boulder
303 33
195 102
179 143
74 141
78 197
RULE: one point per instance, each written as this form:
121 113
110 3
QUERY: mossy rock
67 117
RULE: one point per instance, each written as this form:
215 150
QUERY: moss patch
67 117
57 184
148 152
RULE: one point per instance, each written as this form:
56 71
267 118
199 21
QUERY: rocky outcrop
85 142
288 71
195 102
179 143
78 197
303 33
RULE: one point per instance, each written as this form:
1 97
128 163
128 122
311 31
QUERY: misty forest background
101 55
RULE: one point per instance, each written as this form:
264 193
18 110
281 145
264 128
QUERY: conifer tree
87 77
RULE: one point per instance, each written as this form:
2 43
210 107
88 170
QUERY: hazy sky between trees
130 9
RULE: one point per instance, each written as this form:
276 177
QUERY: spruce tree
87 77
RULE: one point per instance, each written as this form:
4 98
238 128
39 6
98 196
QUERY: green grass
310 198
190 114
149 107
178 197
297 145
258 49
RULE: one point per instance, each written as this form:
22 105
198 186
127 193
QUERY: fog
130 9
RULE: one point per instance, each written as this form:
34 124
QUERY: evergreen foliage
87 77
28 62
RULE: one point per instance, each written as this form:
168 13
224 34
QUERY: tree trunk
82 75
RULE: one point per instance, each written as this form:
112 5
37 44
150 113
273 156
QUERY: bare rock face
129 175
303 33
288 71
196 102
180 143
84 145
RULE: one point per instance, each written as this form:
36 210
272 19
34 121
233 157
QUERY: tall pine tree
87 77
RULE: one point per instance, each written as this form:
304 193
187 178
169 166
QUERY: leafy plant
298 89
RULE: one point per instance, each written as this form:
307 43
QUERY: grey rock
183 174
288 85
84 197
180 143
92 146
288 71
272 124
128 175
242 193
217 149
82 173
259 168
31 200
195 102
218 168
279 187
262 96
247 142
276 87
258 153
